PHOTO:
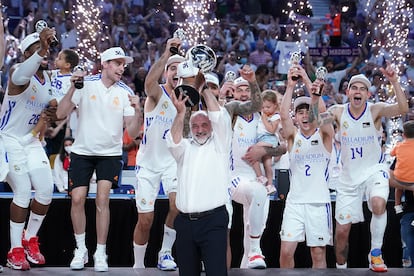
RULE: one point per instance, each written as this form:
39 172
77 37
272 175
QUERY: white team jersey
309 161
101 117
153 152
360 146
244 136
20 113
60 84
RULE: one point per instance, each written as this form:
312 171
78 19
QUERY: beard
43 67
201 140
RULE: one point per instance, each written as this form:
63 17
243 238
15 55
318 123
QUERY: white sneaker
256 262
100 261
166 261
80 259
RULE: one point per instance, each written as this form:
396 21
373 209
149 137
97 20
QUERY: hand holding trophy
179 33
40 25
230 76
320 75
200 59
295 59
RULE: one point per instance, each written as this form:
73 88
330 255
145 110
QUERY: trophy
40 25
295 59
320 74
200 59
179 33
78 70
187 84
230 76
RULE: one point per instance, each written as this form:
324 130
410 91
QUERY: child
404 152
65 61
266 136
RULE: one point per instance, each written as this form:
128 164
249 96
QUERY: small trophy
230 76
40 25
78 70
295 59
179 33
320 75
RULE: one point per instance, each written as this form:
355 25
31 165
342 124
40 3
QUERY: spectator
61 165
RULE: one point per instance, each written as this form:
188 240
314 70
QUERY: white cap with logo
115 53
360 78
301 100
240 81
28 41
211 78
186 69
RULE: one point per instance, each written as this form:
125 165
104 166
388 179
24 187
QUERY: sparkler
390 26
196 21
88 26
389 29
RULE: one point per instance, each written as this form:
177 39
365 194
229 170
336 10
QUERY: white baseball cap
360 78
186 69
301 100
210 78
174 59
28 41
115 53
240 81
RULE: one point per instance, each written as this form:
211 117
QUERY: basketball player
363 173
155 163
28 93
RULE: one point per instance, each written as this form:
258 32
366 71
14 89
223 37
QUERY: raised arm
178 123
152 88
255 103
398 108
21 73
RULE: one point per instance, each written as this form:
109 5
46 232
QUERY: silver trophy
179 33
202 57
295 58
230 76
40 25
78 70
320 74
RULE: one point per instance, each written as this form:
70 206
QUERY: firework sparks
88 25
196 22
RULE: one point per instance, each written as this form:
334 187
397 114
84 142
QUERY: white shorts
243 191
29 168
25 159
148 186
242 188
348 208
310 221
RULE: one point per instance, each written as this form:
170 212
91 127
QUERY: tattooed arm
255 103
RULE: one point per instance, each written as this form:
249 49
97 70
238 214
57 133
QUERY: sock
33 225
139 255
100 249
342 266
80 241
254 246
16 233
168 239
377 227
